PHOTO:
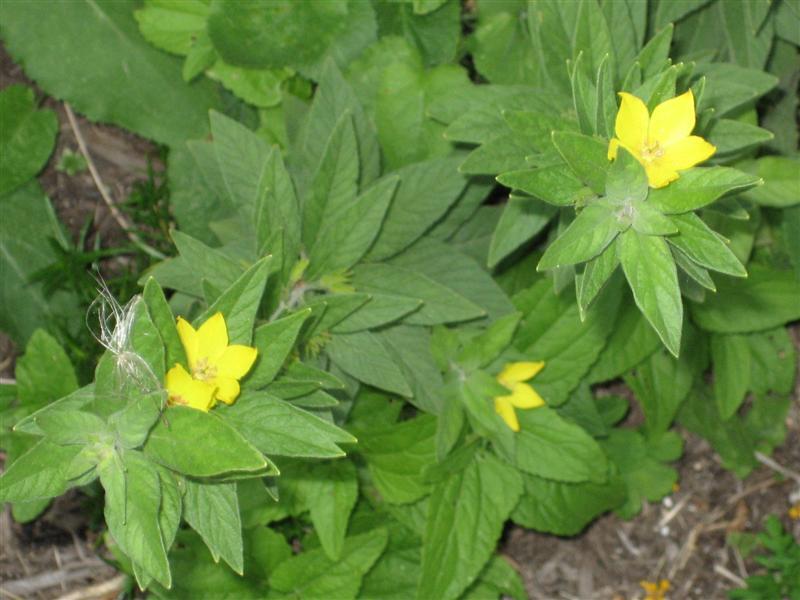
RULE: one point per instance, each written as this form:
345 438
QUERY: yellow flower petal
687 153
227 389
672 120
235 361
524 396
613 146
658 175
189 340
212 337
632 121
505 409
185 391
519 371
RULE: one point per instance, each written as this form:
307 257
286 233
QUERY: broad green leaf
172 26
278 209
146 342
596 273
503 52
699 187
565 508
588 235
27 137
161 314
42 472
274 341
133 500
276 427
348 231
396 456
330 491
773 359
555 185
210 264
259 87
394 576
730 86
129 83
627 180
212 510
766 299
200 444
329 310
586 156
73 427
522 219
498 578
440 304
44 373
551 330
289 34
335 183
465 520
239 303
730 135
427 189
361 355
74 401
485 347
432 26
133 423
28 220
731 357
312 575
640 464
781 177
653 278
380 309
705 247
552 447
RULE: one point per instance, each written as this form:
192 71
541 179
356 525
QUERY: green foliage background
334 171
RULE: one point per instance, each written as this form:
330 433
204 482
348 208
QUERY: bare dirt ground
683 538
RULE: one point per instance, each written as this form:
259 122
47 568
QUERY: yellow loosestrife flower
655 591
661 142
215 367
794 512
522 395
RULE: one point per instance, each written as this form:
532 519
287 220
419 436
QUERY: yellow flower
794 512
214 365
522 395
661 142
655 591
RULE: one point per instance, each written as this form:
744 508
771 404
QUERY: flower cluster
522 395
215 367
655 591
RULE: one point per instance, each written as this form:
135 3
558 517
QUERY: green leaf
766 299
729 136
130 83
42 472
465 519
361 355
348 231
200 444
145 340
427 189
73 427
133 423
161 314
312 575
288 34
27 137
730 86
565 508
212 510
484 348
433 26
781 181
210 264
551 447
699 187
28 220
335 183
330 491
396 456
731 357
259 87
276 427
274 342
653 278
586 156
588 235
502 46
44 373
704 246
522 219
172 26
133 500
596 273
627 180
555 185
439 304
551 331
239 303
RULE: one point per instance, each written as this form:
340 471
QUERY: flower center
204 370
651 152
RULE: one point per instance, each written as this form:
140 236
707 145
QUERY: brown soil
682 539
